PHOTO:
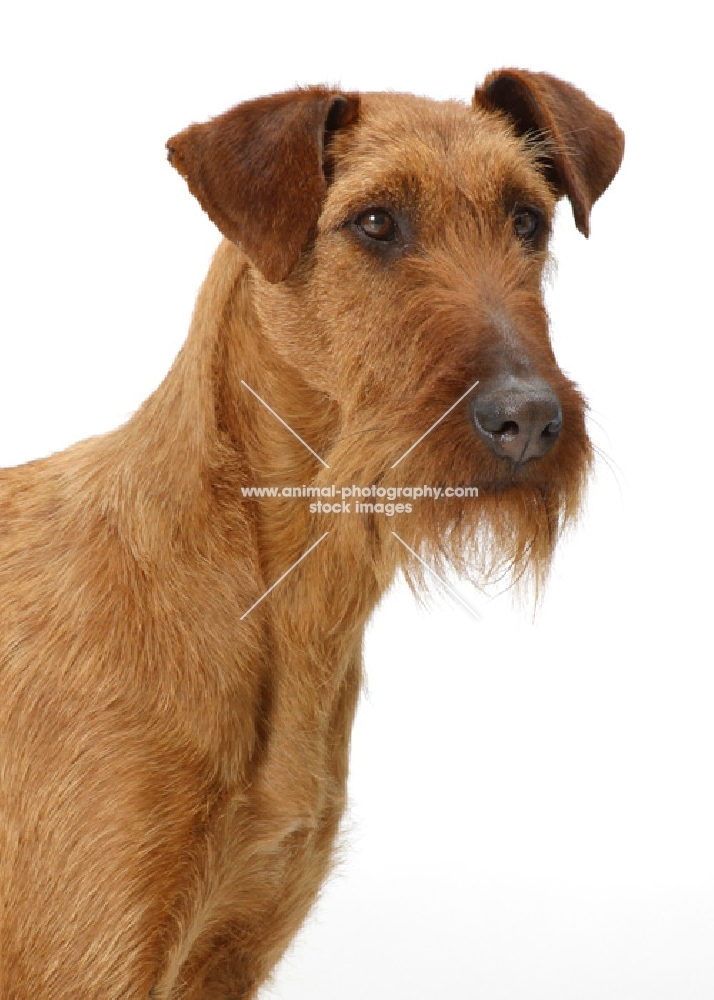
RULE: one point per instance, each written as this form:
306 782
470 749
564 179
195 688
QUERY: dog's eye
377 224
525 223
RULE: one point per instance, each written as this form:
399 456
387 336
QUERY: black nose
518 418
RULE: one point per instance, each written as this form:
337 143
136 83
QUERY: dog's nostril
519 419
553 428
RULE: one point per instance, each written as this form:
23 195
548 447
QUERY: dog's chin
507 533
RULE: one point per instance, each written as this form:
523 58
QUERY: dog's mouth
516 475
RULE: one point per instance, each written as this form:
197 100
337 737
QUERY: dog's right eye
377 224
526 222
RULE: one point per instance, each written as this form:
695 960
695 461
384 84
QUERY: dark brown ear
587 145
257 171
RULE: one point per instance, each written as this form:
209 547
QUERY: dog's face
399 246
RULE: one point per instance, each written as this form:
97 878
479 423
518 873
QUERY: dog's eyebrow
402 194
527 195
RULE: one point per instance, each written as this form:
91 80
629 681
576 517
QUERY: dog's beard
508 532
506 535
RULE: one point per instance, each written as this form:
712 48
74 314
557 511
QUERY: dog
182 601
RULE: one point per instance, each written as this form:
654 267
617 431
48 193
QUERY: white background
532 813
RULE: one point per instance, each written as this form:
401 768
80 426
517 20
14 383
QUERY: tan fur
172 777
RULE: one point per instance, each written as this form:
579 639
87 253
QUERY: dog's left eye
377 224
525 223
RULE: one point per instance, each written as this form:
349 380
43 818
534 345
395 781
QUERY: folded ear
586 145
258 172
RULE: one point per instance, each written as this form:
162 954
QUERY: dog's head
398 247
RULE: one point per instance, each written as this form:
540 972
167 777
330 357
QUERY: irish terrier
173 742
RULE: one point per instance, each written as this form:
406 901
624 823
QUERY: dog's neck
207 430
